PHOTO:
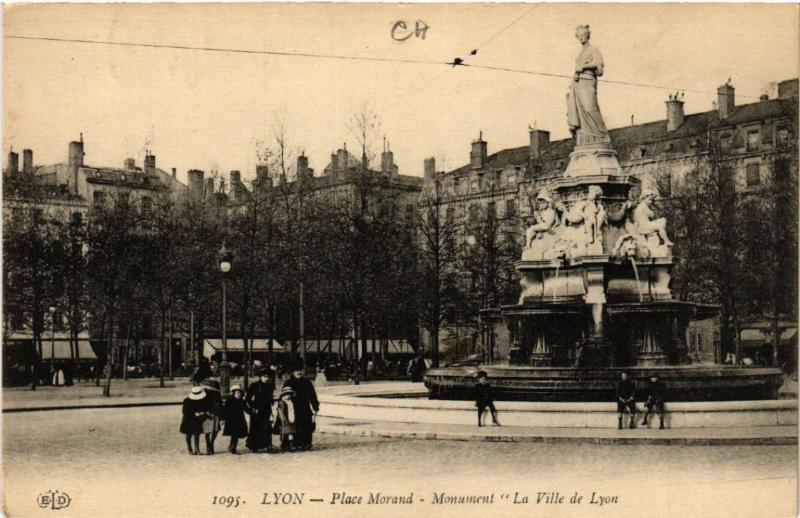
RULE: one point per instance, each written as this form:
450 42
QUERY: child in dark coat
233 414
484 398
194 413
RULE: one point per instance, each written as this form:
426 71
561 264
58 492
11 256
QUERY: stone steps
373 402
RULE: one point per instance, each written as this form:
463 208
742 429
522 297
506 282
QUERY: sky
208 110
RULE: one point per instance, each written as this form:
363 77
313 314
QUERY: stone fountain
595 279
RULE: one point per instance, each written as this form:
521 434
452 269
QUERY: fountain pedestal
593 159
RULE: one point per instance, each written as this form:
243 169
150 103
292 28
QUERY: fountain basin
684 382
380 402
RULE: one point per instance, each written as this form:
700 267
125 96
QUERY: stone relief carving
566 229
545 219
654 231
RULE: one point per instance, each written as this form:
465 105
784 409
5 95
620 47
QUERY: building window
753 175
664 184
475 187
147 204
511 208
99 198
782 138
474 213
753 140
77 219
491 210
450 214
725 141
457 185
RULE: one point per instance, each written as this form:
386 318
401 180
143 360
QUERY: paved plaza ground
133 461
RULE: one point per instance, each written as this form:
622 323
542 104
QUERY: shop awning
214 345
60 350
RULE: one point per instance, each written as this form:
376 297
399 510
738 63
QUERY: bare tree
439 232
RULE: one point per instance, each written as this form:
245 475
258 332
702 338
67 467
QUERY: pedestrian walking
321 380
484 398
194 413
418 369
233 414
211 425
286 419
655 391
259 400
306 406
58 376
626 399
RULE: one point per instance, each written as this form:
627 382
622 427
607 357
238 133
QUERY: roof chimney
387 162
76 153
675 114
478 155
302 167
27 161
149 163
262 176
430 168
13 163
174 173
196 184
130 164
787 89
725 100
341 160
540 142
237 187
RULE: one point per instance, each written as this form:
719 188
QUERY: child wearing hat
285 424
233 415
194 413
484 398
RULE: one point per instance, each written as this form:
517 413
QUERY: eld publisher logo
53 500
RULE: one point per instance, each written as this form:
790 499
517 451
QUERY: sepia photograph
400 259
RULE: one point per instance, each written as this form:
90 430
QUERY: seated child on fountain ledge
484 398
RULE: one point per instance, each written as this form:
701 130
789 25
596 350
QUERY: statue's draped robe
583 112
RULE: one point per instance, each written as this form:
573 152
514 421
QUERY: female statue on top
583 113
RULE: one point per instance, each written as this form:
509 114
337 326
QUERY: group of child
203 413
655 395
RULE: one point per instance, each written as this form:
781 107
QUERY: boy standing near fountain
626 399
484 398
655 392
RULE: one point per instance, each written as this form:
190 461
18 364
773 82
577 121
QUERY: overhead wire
360 58
474 51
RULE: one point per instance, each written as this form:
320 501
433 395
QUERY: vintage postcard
329 259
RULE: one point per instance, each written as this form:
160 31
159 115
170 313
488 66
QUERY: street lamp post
225 258
53 334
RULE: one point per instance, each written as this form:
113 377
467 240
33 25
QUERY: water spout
555 281
636 273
